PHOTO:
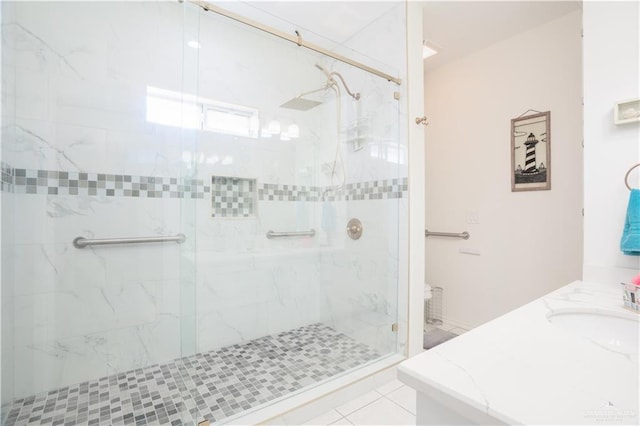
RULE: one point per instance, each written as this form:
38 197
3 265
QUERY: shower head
300 104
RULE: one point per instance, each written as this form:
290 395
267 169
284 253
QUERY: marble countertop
520 368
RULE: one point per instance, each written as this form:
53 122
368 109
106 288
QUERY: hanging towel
328 220
630 241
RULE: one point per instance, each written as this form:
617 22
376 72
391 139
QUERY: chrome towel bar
272 234
626 177
81 242
464 235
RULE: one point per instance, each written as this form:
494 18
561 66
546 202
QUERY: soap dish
630 295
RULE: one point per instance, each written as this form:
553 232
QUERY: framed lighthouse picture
531 152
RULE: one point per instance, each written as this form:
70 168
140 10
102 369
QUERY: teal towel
630 242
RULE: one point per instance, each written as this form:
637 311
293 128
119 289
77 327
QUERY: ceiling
455 28
458 28
340 20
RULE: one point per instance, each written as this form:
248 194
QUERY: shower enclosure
176 188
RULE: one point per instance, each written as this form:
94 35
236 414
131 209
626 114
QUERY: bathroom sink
612 330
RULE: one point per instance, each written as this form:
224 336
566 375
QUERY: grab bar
81 242
272 234
464 235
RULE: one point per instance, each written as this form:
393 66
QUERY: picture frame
531 152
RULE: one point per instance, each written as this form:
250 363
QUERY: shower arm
355 96
323 88
331 82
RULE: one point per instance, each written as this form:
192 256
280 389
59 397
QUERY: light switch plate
473 217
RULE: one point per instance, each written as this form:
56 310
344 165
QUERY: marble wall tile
7 362
32 102
129 326
229 326
108 105
46 365
156 152
7 214
32 145
168 295
283 285
82 311
7 324
228 290
296 311
67 217
360 279
144 344
46 268
155 262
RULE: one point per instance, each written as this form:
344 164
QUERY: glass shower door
94 149
294 145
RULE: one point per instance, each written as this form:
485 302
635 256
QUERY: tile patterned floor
393 403
213 385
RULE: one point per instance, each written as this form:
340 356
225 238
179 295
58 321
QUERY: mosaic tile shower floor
213 386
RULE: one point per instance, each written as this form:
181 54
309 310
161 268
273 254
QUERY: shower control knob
354 229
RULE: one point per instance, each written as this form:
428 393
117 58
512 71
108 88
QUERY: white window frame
203 106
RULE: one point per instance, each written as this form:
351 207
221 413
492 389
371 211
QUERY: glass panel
194 189
86 157
145 119
328 151
7 129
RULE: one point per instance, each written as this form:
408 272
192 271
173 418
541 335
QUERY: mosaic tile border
6 182
373 190
214 385
281 192
51 182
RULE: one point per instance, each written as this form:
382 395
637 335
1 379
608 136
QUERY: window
231 119
191 112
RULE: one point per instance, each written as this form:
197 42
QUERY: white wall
416 246
611 70
529 243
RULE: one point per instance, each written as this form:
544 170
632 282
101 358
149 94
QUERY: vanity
569 357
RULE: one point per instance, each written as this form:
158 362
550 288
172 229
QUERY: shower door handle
422 120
